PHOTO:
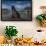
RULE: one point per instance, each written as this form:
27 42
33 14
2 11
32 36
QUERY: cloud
6 6
23 6
17 4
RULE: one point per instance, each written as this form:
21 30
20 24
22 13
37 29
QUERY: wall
27 28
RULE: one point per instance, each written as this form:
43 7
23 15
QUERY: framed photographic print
16 10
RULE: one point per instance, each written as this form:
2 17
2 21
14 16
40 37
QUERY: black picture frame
29 11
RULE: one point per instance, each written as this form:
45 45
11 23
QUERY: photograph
16 10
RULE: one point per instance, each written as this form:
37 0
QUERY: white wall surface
27 28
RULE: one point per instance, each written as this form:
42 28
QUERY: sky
15 0
17 4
